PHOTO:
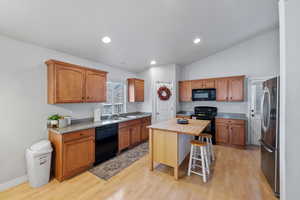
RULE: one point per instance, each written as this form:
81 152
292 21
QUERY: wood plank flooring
236 176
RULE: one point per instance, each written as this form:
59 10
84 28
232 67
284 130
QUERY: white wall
23 103
166 73
291 84
257 57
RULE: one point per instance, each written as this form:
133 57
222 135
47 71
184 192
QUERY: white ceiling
141 30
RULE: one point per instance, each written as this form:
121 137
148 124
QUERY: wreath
164 93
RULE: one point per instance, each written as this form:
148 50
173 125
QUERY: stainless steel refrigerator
270 133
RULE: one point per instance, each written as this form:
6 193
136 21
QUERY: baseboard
12 183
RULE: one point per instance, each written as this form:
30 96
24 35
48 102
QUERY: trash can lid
41 146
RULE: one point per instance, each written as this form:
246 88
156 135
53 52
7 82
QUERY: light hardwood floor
236 176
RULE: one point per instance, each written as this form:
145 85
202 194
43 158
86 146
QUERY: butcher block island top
194 127
169 142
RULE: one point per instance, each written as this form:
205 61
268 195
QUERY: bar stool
199 154
204 137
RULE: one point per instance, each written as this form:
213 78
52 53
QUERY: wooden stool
208 139
202 158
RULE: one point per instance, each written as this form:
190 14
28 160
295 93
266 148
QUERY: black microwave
204 94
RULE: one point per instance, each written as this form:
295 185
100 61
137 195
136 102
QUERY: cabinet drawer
230 121
78 135
129 123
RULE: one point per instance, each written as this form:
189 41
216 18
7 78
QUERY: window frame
112 103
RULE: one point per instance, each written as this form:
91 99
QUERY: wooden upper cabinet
230 89
95 86
210 83
69 83
236 89
197 84
185 91
222 89
135 90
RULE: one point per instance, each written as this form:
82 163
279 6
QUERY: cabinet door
236 89
185 91
209 84
222 133
95 86
237 134
135 134
77 154
222 89
197 84
139 90
124 138
144 132
70 83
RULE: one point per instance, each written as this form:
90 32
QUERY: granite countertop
241 116
89 123
185 113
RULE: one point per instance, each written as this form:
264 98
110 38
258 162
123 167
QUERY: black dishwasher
106 142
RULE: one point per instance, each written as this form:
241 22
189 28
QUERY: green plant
54 117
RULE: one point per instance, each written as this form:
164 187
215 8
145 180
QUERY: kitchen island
169 142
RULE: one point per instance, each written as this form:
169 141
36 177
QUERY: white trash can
38 158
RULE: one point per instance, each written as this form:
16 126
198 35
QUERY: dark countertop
78 125
241 116
185 113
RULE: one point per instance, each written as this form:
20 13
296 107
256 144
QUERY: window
115 99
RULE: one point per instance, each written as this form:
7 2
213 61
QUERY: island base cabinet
231 132
73 153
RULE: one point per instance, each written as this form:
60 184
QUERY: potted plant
53 120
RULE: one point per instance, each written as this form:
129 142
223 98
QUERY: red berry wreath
164 93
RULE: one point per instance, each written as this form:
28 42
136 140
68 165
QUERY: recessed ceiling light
106 40
153 62
197 40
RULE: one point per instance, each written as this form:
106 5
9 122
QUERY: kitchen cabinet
236 89
135 90
222 89
95 86
73 152
144 130
203 84
231 132
124 138
185 91
133 132
230 89
69 83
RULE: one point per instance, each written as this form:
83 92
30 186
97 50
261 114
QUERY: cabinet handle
81 134
82 98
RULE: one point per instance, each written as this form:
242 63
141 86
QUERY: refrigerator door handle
265 146
266 115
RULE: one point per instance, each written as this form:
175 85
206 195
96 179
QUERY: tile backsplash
227 107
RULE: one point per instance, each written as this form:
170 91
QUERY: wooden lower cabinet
124 138
222 133
133 132
77 155
73 152
231 132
